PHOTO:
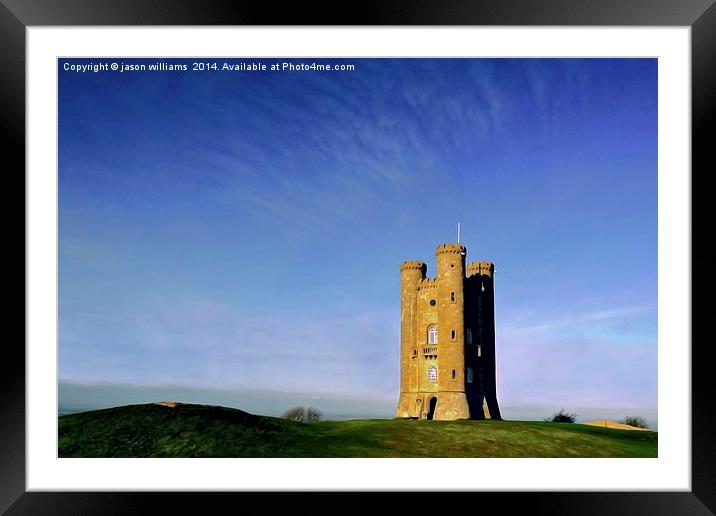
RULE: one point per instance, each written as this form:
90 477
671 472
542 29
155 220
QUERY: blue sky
244 230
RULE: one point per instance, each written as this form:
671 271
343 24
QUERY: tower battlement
428 283
483 268
450 248
413 266
447 338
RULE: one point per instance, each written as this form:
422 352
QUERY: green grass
208 431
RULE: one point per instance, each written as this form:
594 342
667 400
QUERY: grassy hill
208 431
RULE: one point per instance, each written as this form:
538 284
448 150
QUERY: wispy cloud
212 344
594 358
348 151
579 319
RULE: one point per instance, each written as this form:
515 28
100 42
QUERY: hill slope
207 431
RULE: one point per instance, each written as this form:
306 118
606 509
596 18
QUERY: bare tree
295 414
303 414
313 415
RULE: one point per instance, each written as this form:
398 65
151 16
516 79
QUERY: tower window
469 375
415 352
452 335
452 297
433 373
454 374
479 350
468 336
432 302
433 335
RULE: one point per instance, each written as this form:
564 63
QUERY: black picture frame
17 15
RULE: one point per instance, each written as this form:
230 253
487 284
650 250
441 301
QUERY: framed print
217 196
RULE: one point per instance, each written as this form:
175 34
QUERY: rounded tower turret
451 321
411 274
481 315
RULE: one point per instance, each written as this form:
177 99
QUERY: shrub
562 417
636 421
303 414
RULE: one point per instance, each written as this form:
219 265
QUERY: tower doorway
431 408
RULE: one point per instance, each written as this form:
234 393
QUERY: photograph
359 257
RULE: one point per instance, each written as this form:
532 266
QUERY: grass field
207 431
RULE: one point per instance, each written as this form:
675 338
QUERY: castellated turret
447 339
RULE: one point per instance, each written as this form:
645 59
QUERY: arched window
469 375
452 335
433 373
433 335
468 336
452 297
454 374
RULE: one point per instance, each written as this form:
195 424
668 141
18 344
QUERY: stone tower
447 339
